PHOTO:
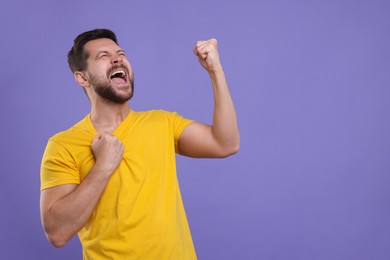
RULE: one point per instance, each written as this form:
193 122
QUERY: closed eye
102 54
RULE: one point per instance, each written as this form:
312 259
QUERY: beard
104 88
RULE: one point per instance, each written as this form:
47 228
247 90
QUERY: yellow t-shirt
140 214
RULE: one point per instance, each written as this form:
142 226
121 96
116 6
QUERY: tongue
118 80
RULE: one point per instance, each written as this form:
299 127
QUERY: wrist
216 70
101 171
217 74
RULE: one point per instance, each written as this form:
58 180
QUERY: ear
82 79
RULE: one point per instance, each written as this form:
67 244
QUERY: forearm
65 217
225 126
222 139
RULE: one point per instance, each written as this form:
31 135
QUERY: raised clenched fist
207 52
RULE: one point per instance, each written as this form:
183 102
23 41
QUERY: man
111 178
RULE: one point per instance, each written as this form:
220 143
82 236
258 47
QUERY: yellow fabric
140 214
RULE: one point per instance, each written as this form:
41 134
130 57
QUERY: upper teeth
119 71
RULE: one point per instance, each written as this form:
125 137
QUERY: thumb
95 139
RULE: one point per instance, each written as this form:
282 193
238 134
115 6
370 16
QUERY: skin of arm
65 209
222 138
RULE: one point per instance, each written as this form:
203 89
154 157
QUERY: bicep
197 141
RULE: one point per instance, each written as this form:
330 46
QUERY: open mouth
119 77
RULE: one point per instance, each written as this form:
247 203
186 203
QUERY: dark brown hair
77 56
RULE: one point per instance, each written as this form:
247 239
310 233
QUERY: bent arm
222 138
66 209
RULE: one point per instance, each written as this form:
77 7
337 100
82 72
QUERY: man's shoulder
163 119
79 131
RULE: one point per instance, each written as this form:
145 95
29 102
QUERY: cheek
129 66
98 71
127 62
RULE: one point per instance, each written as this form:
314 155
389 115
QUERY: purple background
310 80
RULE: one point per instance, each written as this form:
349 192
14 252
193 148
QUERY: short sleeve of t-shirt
58 167
178 123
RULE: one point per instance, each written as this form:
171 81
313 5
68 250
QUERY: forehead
97 45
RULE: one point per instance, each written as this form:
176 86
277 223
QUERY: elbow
58 234
234 146
234 149
56 241
56 237
230 150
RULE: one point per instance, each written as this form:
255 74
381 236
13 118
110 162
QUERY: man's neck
108 116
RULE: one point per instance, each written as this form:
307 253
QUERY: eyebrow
106 52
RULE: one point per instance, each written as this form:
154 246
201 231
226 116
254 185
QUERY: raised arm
222 138
65 209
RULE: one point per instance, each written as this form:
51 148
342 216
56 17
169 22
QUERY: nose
116 59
